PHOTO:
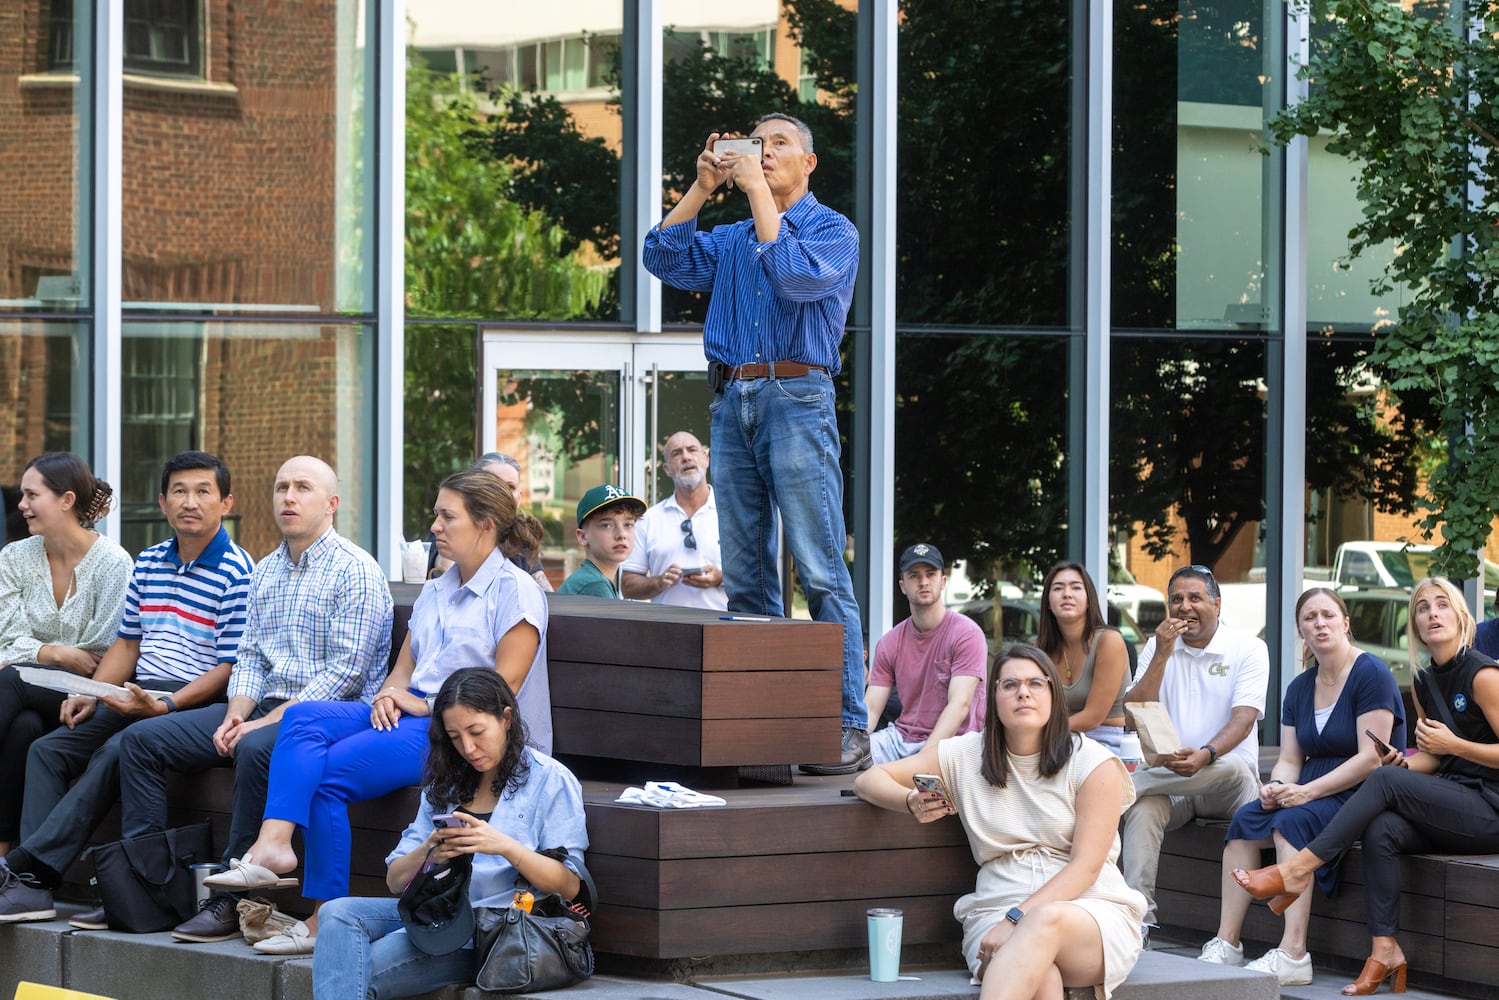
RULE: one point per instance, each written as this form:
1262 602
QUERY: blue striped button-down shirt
781 301
317 629
188 617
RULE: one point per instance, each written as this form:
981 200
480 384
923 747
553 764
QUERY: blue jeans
363 953
775 445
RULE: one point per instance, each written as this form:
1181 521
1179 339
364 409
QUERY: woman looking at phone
1041 808
1091 654
483 611
1329 720
1441 800
509 804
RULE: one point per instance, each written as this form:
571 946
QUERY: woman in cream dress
1041 808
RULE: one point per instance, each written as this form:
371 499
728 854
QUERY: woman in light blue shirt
482 612
520 812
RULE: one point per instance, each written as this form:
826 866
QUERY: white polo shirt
660 541
1202 687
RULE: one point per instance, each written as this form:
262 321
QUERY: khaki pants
1165 801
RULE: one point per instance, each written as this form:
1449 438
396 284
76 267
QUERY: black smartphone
1384 748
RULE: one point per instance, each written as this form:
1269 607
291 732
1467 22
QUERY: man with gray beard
676 558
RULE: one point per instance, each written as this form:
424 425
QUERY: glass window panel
563 428
252 190
974 422
985 210
255 394
45 392
1191 246
442 387
513 199
45 214
1187 469
603 54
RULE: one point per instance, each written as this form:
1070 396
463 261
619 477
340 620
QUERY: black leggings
26 712
1397 812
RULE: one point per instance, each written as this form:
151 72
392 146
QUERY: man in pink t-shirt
935 660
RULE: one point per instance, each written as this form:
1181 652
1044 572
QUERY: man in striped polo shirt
781 283
184 615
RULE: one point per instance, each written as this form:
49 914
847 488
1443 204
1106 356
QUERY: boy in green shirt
606 530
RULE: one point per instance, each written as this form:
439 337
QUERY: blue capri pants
328 755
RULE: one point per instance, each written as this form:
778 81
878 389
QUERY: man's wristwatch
168 702
1014 914
1212 753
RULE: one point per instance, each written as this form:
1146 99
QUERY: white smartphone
745 147
932 783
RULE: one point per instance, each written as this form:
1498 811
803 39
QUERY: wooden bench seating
1449 910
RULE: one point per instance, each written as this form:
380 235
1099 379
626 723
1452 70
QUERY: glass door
577 409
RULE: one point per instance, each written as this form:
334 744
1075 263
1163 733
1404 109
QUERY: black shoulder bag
146 882
543 948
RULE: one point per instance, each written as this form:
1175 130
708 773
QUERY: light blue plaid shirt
317 629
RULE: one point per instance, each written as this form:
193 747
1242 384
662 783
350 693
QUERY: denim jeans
775 446
363 953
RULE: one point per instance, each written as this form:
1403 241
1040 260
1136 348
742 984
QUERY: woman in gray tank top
1089 654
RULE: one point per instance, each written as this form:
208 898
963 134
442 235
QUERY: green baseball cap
603 496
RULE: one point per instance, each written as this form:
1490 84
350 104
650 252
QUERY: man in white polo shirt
676 558
184 615
1212 680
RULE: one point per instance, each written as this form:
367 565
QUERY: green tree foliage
1413 100
471 251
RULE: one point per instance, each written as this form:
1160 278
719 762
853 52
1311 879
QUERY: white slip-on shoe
1220 952
244 875
1290 971
295 940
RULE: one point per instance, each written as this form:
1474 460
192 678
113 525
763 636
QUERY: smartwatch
1212 753
1014 914
168 702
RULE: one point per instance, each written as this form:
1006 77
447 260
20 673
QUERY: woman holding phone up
1330 719
1041 808
1444 799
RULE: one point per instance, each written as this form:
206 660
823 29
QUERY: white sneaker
1220 952
1290 971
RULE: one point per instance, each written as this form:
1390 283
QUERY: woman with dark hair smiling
1089 652
1442 800
1041 807
62 596
517 811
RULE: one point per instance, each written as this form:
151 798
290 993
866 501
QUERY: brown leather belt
773 369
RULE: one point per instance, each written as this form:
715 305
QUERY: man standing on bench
781 284
1212 681
184 614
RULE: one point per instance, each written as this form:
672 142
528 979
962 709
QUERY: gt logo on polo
1218 670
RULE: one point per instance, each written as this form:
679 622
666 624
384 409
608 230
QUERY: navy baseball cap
921 552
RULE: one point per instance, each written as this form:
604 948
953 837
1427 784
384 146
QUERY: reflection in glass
45 132
442 385
985 165
513 141
45 394
1187 456
1339 293
1190 81
255 395
563 427
981 451
247 178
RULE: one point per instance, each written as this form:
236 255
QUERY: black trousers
26 712
1397 812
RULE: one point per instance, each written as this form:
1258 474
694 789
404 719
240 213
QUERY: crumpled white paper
668 795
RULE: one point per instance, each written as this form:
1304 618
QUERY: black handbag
544 949
146 882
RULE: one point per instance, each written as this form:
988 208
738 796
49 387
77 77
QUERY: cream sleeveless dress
1021 835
